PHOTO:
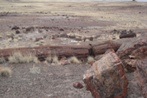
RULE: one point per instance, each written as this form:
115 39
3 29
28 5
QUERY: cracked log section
133 51
106 78
134 57
141 75
80 51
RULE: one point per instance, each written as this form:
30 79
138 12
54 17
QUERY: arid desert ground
30 23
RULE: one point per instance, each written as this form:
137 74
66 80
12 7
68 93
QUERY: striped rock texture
106 78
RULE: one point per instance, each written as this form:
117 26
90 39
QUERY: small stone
15 28
17 32
38 39
61 29
78 85
29 29
127 34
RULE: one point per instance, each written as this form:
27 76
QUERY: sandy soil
82 19
43 81
48 21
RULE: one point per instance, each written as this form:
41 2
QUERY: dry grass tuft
35 70
17 57
5 71
49 59
55 59
74 60
90 59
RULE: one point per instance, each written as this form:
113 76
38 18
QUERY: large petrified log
106 78
141 74
43 51
80 51
132 51
101 47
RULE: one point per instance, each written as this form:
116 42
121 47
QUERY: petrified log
141 74
106 78
80 51
127 34
132 46
132 51
100 47
43 51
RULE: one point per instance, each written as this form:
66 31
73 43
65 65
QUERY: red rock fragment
78 85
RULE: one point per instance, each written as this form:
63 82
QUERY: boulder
106 78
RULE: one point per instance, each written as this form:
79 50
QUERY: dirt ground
52 23
43 81
77 19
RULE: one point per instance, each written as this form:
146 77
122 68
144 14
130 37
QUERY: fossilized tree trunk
80 51
106 78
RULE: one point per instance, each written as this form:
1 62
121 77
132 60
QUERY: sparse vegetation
5 72
90 59
49 59
2 60
17 57
35 70
74 60
55 59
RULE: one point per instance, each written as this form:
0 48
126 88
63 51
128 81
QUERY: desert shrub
90 59
35 70
74 60
17 57
49 59
5 72
55 59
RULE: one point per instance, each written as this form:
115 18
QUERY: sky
100 0
76 0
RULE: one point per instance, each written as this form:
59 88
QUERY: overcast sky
97 0
94 0
73 0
